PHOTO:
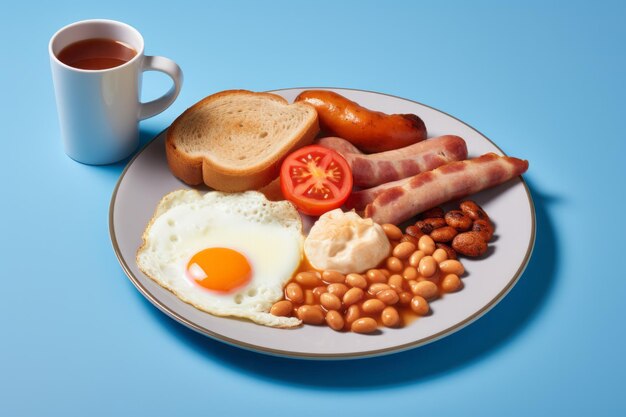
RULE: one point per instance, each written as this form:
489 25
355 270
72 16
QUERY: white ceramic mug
99 110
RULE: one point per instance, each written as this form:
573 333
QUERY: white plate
147 178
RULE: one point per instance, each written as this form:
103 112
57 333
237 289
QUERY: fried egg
225 254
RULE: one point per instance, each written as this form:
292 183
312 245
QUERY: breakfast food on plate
345 242
466 231
236 140
379 168
239 254
368 130
226 254
315 179
400 289
400 200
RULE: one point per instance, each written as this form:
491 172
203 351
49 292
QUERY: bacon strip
379 168
399 201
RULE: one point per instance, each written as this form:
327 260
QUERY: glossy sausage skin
403 199
368 130
379 168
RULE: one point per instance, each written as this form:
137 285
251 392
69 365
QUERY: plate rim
323 356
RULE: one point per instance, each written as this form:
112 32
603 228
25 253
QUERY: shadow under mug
99 110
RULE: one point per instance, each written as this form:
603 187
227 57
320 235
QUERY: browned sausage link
383 167
369 130
404 199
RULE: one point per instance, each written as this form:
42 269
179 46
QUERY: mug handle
169 67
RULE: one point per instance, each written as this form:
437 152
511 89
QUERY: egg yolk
219 269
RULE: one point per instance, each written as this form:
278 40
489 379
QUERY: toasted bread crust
197 170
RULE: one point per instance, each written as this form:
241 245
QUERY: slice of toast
236 140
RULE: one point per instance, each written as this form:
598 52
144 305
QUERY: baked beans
416 272
364 325
356 281
333 277
392 231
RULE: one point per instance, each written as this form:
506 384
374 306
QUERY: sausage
379 168
368 130
358 200
403 199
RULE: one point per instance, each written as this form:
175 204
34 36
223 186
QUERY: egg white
268 234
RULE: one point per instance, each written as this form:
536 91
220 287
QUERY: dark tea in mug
96 54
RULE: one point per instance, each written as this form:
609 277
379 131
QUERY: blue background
544 80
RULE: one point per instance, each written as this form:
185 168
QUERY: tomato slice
315 179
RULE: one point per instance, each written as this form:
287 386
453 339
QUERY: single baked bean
459 220
405 298
452 266
394 264
404 250
333 277
282 308
435 222
424 227
375 275
419 305
389 297
309 297
392 231
433 212
330 301
483 227
378 287
434 278
451 283
413 285
444 234
364 325
390 317
410 272
415 258
425 289
396 281
334 319
470 244
449 251
473 210
337 289
353 295
373 306
427 266
356 280
318 291
426 244
410 239
308 279
353 313
294 292
311 314
440 255
414 231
